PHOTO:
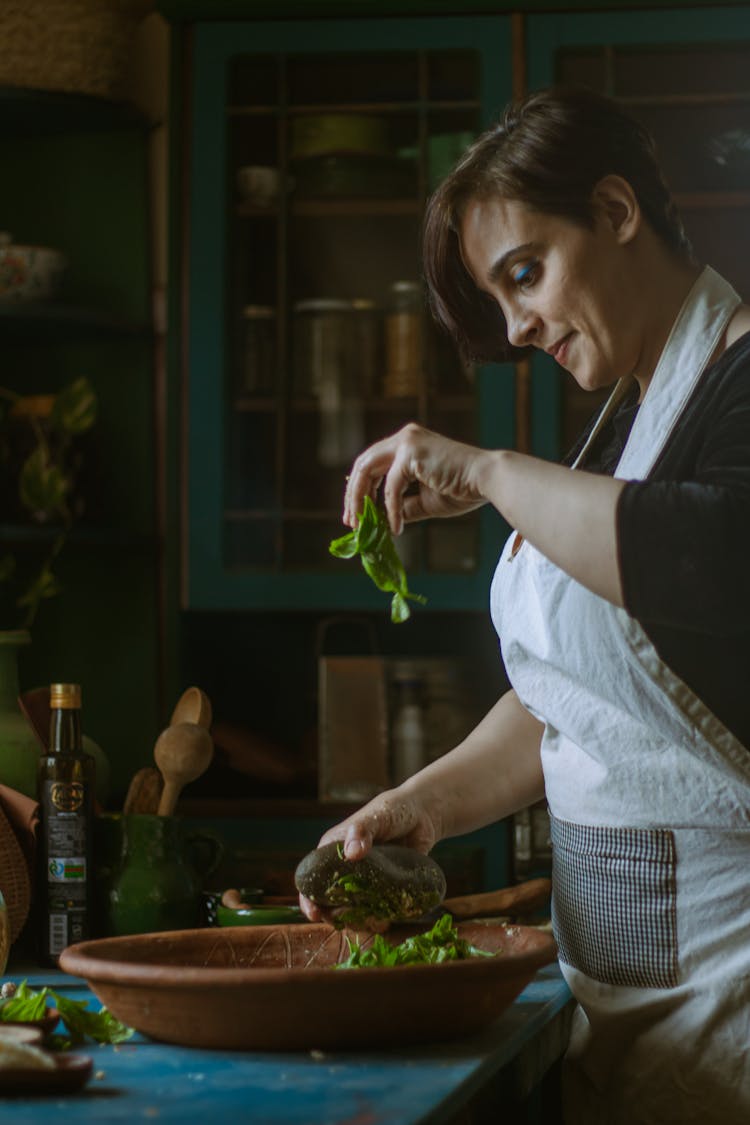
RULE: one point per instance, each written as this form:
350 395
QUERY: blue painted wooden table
142 1080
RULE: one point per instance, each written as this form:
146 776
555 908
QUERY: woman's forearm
494 772
569 516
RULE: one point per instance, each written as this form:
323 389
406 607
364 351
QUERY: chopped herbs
390 883
372 541
80 1022
439 944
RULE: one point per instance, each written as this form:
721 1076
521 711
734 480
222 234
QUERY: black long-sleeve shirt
683 537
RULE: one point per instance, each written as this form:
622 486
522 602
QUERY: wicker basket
15 878
76 46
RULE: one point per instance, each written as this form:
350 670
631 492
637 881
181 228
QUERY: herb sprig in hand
371 539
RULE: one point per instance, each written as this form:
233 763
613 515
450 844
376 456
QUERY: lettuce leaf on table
28 1004
373 542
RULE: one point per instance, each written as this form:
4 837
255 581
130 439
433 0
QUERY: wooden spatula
520 899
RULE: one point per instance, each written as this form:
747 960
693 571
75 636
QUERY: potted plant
39 466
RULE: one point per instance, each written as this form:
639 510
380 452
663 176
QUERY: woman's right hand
396 816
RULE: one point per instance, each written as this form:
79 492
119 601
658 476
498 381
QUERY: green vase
156 887
19 749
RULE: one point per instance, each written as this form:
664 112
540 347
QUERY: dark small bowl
211 901
259 915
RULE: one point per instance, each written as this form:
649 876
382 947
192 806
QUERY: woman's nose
523 328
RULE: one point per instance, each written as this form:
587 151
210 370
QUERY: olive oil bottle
66 794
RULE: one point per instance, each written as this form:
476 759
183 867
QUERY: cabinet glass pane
329 342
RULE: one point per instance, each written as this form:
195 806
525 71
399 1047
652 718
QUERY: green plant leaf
75 407
42 486
26 1004
371 539
43 586
80 1022
346 547
439 944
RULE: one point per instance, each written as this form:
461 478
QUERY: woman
622 600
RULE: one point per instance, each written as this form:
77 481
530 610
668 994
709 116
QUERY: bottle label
58 933
68 869
67 796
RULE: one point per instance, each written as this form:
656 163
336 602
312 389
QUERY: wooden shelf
80 535
302 515
320 208
275 809
463 403
410 106
54 320
28 113
678 101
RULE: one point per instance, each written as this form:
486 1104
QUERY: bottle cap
65 695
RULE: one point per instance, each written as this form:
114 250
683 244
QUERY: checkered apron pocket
614 908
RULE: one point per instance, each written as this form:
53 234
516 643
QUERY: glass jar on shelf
403 340
257 367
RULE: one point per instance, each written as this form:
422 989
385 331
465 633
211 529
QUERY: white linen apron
649 797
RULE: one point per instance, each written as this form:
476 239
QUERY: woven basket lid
15 879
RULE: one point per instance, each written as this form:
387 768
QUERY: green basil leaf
25 1004
80 1022
346 547
372 541
434 947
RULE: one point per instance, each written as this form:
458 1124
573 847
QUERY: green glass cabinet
311 149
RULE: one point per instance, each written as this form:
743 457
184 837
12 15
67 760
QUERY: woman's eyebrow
496 269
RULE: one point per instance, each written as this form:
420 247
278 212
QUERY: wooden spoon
144 791
182 752
193 706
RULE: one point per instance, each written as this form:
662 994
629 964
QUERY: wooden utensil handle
168 800
520 899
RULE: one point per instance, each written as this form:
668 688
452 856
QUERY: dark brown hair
549 152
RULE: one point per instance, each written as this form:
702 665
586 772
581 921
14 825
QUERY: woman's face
562 288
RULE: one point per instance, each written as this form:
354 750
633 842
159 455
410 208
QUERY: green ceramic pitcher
155 886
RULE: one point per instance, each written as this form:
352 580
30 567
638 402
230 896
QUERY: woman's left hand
447 473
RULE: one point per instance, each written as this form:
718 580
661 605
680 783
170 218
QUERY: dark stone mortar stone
390 882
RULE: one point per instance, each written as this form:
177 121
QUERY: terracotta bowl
274 988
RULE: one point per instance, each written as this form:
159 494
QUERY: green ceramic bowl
259 915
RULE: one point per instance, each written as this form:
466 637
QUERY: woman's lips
559 350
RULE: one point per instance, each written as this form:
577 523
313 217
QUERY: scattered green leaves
43 486
437 945
75 407
80 1022
372 541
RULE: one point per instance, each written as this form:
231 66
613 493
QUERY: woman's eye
525 276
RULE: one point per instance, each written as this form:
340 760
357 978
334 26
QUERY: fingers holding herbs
423 475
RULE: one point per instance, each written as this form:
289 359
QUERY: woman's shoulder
738 326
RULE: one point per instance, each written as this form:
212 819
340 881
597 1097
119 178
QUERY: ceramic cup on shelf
259 184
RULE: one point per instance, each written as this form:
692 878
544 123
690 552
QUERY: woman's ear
615 203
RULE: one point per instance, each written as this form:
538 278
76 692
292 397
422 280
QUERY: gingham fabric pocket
614 909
